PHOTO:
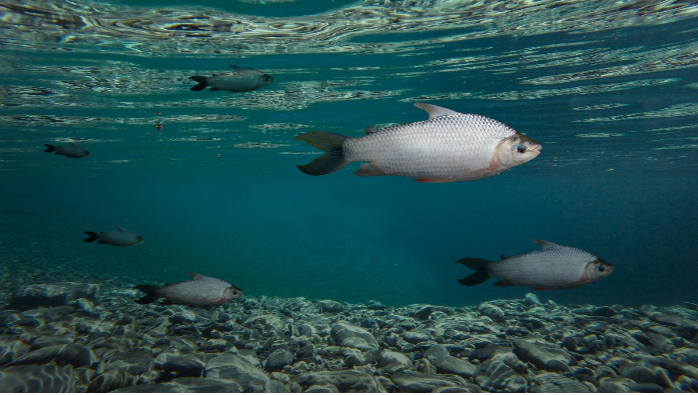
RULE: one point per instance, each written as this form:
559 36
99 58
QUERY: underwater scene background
209 179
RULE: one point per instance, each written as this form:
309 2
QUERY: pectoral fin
502 282
369 170
433 180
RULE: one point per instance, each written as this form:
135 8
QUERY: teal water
611 92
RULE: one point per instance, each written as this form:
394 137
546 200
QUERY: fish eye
521 149
602 268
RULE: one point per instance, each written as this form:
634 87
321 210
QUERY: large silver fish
447 147
119 237
553 267
241 79
70 151
201 291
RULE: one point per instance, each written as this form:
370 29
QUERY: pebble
64 338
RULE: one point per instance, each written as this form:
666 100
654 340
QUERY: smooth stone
531 299
494 375
330 306
645 388
542 359
47 295
150 388
345 381
135 362
72 354
419 382
111 380
660 342
415 337
326 388
347 335
232 367
356 358
35 378
639 374
184 365
278 359
11 350
190 384
452 365
87 307
437 350
183 317
612 386
493 312
553 382
392 361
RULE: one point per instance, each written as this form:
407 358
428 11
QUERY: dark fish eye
521 149
602 268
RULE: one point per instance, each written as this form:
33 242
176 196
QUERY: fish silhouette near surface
449 146
241 79
201 291
551 268
70 151
119 237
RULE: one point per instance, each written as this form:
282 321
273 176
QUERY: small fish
71 151
553 267
201 291
118 238
241 79
447 147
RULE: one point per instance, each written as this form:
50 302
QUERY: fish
70 151
118 238
241 79
553 267
200 291
449 146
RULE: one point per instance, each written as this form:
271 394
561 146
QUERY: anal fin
369 170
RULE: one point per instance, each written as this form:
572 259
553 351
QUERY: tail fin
333 160
480 267
93 237
51 148
200 80
149 290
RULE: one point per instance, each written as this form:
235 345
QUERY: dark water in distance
612 100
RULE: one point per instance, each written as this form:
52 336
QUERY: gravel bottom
69 337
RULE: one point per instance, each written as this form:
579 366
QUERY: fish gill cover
209 180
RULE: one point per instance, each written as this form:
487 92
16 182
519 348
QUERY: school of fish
449 146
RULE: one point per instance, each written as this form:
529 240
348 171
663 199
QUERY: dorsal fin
238 68
435 111
71 143
545 244
196 276
370 130
118 228
503 257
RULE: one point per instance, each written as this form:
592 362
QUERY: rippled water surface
609 88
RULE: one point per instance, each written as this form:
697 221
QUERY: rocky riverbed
72 337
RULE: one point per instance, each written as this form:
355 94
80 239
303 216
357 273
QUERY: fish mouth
535 149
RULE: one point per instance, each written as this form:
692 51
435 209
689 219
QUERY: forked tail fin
149 290
51 148
333 160
93 237
200 80
480 267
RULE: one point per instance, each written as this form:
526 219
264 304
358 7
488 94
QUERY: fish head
232 292
597 269
516 150
264 80
137 240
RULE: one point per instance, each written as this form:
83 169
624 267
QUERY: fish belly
434 149
540 270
